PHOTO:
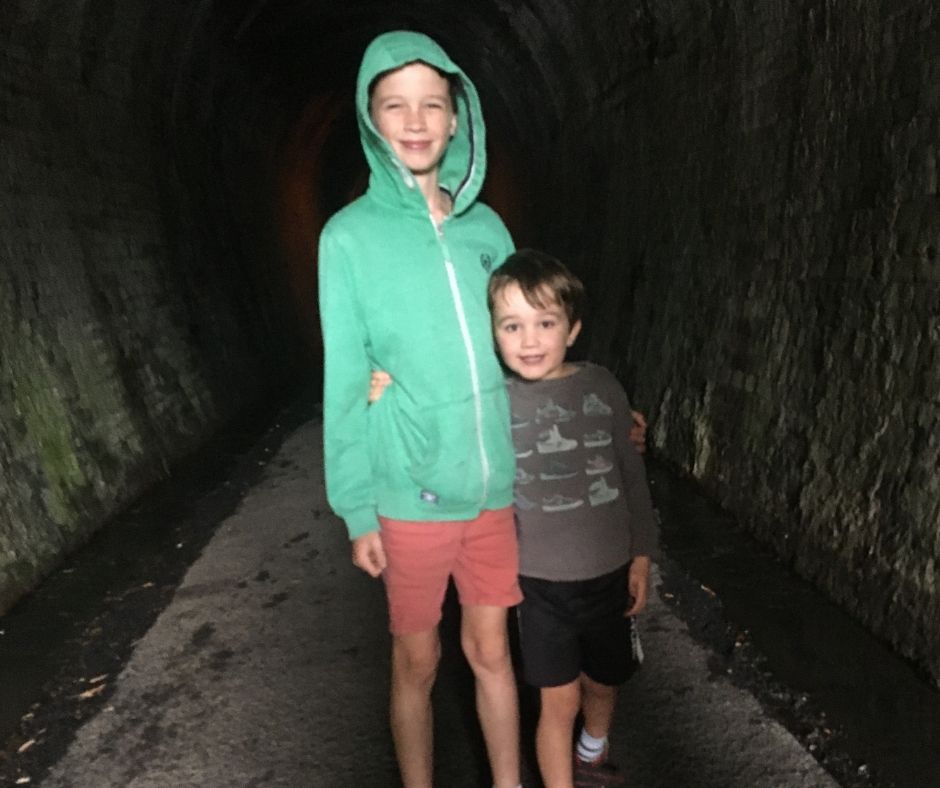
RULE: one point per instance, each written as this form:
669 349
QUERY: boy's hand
381 380
368 553
637 431
638 584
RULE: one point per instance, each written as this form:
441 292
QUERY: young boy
584 517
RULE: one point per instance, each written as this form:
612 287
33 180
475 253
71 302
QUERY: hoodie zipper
471 355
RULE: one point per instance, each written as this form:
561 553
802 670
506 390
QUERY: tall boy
584 516
424 478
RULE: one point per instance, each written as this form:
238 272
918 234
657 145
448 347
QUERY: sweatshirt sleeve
349 483
507 247
644 532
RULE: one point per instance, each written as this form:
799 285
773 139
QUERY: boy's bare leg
554 732
485 640
415 657
598 702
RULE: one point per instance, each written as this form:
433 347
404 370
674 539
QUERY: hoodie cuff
361 522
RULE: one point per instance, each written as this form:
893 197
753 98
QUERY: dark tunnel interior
291 103
750 192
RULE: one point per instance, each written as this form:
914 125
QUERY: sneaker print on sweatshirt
518 422
552 441
599 493
552 412
524 478
523 503
597 438
560 503
556 470
598 464
592 405
521 455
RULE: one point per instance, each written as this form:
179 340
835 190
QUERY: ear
573 333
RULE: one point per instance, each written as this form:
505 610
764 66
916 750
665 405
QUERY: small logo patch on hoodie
486 260
428 497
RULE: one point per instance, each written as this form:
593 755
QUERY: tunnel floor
216 634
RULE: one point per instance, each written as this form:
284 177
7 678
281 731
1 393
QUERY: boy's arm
506 243
368 553
349 485
638 431
644 532
638 583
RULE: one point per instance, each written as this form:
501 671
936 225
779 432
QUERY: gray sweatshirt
582 502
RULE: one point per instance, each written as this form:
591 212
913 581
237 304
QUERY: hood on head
464 163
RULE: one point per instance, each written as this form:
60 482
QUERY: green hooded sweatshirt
399 294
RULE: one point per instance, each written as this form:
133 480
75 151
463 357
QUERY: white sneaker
557 470
598 464
599 492
522 477
559 503
551 441
597 438
552 412
592 405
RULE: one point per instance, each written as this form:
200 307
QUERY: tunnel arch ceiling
751 202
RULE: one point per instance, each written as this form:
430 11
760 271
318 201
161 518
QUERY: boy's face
532 340
412 109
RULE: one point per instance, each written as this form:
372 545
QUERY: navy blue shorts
571 627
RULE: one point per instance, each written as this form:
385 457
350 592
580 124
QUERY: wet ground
85 619
872 716
216 635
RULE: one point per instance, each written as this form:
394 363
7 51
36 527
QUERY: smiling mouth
531 359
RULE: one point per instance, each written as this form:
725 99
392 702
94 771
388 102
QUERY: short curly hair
538 275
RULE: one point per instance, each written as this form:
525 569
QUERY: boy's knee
489 654
415 665
561 703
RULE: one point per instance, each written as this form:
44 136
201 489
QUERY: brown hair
539 274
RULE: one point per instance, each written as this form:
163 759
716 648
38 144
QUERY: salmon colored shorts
482 555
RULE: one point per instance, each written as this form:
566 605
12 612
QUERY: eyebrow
541 313
553 311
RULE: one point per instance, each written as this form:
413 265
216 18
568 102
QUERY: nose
414 120
529 338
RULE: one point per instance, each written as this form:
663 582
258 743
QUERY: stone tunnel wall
127 333
767 226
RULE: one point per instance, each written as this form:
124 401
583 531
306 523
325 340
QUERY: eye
548 323
510 328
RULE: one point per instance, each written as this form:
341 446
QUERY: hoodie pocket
431 454
447 469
